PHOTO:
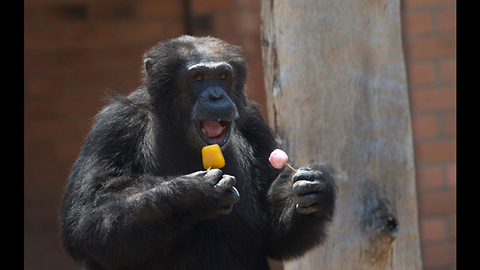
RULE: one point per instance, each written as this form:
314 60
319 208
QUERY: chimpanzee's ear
148 63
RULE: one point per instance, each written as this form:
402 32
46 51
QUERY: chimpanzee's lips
215 132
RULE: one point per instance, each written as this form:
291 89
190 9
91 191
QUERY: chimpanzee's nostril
216 95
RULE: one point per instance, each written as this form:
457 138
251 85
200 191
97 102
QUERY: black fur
139 198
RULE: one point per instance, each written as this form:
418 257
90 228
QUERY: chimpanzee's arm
293 229
301 205
113 214
117 220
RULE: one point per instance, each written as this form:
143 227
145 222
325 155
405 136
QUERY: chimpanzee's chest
230 241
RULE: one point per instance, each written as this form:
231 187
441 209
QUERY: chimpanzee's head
198 83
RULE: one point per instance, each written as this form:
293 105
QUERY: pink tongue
212 128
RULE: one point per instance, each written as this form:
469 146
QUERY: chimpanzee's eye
198 77
222 75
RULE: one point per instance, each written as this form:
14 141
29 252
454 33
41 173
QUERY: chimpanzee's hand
223 185
314 190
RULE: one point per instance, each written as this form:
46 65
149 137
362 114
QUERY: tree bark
336 93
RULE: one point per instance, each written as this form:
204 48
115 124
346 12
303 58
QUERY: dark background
77 50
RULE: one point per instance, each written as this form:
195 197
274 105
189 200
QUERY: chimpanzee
138 196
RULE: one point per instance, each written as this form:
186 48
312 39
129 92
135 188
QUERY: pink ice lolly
278 158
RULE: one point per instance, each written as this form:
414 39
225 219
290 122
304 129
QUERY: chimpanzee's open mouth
215 132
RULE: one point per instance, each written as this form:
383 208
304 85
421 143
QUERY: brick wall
77 50
74 52
429 43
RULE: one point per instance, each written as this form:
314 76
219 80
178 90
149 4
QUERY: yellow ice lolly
212 157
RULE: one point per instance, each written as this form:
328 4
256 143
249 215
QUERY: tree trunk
336 93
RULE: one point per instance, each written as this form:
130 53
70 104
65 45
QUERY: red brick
94 33
436 151
249 22
424 126
250 43
430 177
421 73
433 229
226 22
77 105
40 37
424 3
36 3
452 223
201 6
439 203
60 60
439 255
38 151
117 10
112 33
446 19
35 109
249 4
174 30
66 13
450 124
162 7
452 175
50 129
433 99
49 174
137 32
428 47
448 69
32 18
68 150
45 85
91 83
416 23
